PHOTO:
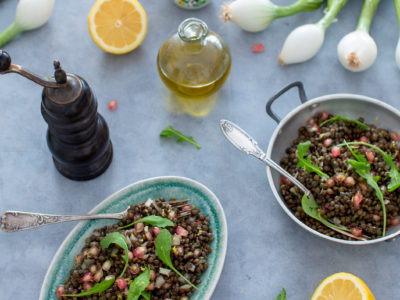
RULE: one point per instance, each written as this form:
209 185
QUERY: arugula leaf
139 284
310 207
163 250
282 295
364 170
355 153
96 289
302 149
171 132
145 295
394 173
118 239
153 221
337 118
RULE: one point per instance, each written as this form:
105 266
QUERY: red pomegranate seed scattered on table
112 105
257 48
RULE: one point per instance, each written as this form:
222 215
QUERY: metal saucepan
349 105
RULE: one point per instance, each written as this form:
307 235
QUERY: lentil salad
344 197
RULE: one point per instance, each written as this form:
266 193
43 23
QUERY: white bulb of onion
398 54
302 44
357 51
32 14
250 15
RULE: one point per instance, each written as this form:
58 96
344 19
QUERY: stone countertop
266 250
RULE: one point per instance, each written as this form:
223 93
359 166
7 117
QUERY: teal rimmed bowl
157 187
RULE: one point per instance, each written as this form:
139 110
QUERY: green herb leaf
337 118
153 221
282 295
116 238
310 207
96 289
364 170
139 284
145 295
355 153
171 132
163 250
394 173
302 149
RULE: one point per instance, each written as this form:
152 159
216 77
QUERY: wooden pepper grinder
77 134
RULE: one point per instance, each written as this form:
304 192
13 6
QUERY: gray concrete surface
266 249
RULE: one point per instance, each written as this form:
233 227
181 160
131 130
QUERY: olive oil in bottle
194 62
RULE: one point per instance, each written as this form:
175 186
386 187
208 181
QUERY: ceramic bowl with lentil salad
352 171
197 250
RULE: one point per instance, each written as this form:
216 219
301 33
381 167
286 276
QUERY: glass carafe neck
192 30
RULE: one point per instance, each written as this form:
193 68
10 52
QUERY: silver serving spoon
245 143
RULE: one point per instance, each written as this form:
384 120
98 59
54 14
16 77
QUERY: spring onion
397 6
256 15
357 50
305 41
30 14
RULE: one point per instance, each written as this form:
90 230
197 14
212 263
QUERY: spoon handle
12 221
245 143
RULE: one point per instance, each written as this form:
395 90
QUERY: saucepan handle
302 96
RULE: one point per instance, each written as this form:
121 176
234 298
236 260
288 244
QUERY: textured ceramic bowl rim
112 197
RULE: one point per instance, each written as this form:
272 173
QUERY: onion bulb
357 50
257 15
30 14
304 42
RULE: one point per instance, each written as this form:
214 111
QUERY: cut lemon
117 26
342 286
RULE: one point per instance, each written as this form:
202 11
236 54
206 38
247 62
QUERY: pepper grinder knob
5 61
59 74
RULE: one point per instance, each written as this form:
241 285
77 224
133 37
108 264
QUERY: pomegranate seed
187 207
87 286
286 181
257 48
139 227
112 105
356 231
121 283
370 156
394 221
130 255
376 218
335 151
349 181
330 183
358 197
363 139
339 177
152 275
60 291
394 136
328 142
323 116
181 231
139 252
88 277
156 231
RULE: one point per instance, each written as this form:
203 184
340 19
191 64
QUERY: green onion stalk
304 42
357 50
257 15
30 14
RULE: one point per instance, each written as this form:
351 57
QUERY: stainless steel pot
352 106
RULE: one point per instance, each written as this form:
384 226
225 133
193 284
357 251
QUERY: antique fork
12 221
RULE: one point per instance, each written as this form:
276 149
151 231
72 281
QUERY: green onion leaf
153 221
282 295
302 149
138 285
116 238
163 250
98 288
337 118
